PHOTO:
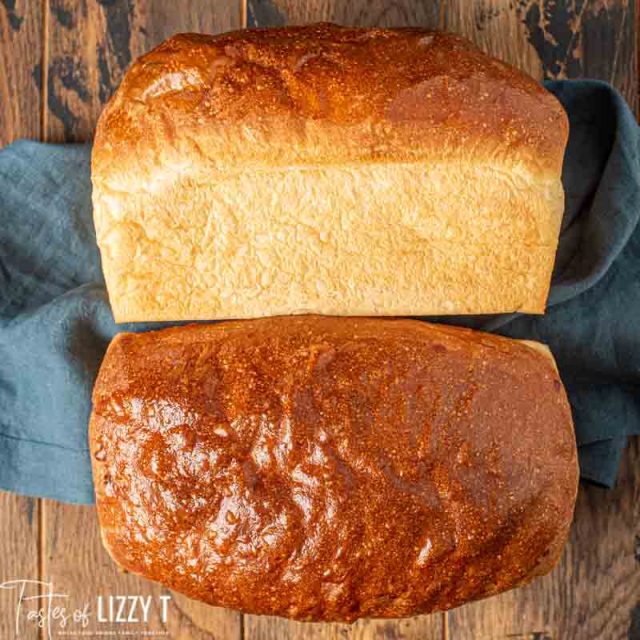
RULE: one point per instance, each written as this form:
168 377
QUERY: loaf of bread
332 468
323 169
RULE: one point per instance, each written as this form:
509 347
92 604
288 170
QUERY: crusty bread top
332 468
275 97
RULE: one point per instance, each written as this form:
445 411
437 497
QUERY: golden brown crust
384 93
331 469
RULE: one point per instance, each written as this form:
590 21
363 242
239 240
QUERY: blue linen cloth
55 320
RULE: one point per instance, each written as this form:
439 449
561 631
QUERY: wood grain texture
585 39
90 45
379 13
92 42
556 40
18 559
595 591
20 52
419 628
20 72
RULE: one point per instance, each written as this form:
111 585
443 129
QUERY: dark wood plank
555 40
20 53
18 561
595 591
91 43
585 39
380 13
418 628
20 72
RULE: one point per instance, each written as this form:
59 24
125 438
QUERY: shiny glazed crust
326 169
330 469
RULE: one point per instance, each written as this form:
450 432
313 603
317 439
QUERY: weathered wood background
59 62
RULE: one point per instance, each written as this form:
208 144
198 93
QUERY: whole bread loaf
329 469
324 169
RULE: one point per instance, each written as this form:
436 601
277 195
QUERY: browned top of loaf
329 469
292 92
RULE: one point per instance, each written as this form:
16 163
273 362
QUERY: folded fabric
55 321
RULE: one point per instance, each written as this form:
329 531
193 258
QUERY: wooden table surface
59 62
